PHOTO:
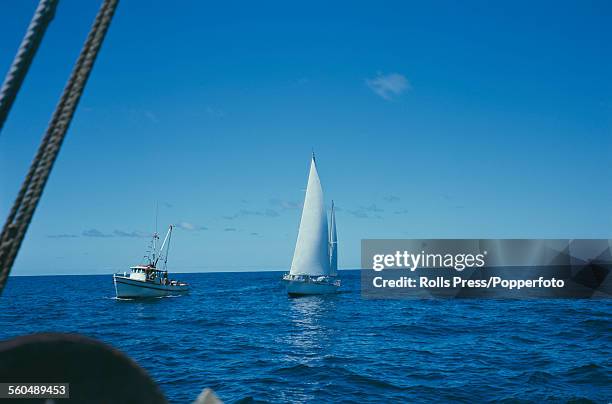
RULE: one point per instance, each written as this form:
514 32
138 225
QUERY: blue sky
428 120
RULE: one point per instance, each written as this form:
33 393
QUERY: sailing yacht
314 269
147 280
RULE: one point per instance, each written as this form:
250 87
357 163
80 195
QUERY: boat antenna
155 235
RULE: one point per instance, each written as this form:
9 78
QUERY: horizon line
201 272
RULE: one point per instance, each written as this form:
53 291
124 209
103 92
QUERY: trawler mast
154 255
161 249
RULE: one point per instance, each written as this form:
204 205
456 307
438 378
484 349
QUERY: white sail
333 244
311 256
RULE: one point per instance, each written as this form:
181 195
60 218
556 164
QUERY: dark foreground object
96 372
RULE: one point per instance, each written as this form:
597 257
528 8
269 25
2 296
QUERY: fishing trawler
314 269
147 280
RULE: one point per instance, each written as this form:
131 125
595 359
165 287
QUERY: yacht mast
333 243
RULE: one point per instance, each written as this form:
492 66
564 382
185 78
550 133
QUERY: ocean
239 334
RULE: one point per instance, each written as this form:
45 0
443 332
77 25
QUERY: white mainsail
311 256
333 243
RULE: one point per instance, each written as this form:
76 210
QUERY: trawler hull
127 288
304 288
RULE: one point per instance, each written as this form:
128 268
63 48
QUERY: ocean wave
591 373
603 324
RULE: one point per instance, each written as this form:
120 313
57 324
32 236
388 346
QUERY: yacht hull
304 288
127 288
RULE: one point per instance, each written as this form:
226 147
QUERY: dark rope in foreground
29 195
21 64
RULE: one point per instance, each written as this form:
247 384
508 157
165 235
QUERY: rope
31 190
21 64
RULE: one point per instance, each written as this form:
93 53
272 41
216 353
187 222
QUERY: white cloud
151 116
215 112
286 204
372 208
389 85
246 212
190 226
121 233
95 233
63 235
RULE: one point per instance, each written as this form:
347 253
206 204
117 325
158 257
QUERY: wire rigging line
168 247
31 190
25 54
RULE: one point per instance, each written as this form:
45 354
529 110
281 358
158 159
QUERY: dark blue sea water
239 334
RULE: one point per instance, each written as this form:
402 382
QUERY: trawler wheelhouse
147 273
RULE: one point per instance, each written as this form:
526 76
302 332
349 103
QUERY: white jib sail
333 244
311 256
